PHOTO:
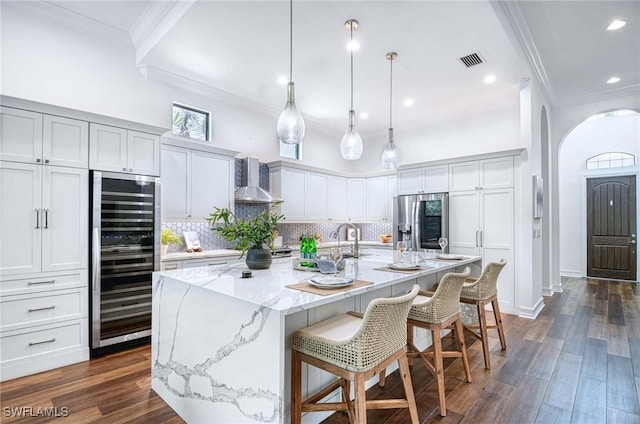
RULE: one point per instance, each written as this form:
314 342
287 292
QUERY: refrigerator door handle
415 222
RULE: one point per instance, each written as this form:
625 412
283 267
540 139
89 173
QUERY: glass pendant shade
351 144
390 158
290 125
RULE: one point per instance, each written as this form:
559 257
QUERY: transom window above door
611 160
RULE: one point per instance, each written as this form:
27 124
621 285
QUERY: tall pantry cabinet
482 216
43 243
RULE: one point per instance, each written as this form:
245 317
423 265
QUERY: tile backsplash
290 233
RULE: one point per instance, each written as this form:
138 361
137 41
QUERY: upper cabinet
380 193
120 150
316 189
31 137
429 179
194 182
337 198
357 199
481 174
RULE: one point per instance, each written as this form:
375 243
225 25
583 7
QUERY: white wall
495 128
616 134
58 62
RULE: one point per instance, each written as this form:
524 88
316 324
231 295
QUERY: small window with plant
191 122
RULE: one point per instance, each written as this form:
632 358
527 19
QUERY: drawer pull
46 308
33 283
42 342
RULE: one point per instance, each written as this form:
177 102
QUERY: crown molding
154 23
163 76
513 22
70 17
632 90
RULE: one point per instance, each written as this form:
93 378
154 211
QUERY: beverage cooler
125 250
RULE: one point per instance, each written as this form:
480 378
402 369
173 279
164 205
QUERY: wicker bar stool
480 292
436 312
354 347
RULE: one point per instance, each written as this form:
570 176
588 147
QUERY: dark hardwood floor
579 362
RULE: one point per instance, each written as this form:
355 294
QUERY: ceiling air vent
472 59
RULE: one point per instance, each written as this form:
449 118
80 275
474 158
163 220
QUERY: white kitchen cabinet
357 199
337 199
194 182
481 174
44 218
31 137
481 222
380 193
316 190
292 188
120 150
429 179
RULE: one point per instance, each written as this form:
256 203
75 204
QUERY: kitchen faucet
356 247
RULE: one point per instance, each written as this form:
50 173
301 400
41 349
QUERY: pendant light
290 125
390 154
351 144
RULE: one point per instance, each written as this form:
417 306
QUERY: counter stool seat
436 312
480 292
354 347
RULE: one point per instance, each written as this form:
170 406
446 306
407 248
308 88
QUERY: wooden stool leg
409 341
463 349
296 388
381 377
482 322
403 364
498 317
361 399
437 358
346 398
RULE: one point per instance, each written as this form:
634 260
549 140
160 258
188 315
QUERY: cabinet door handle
33 283
46 308
130 169
477 245
42 342
38 160
46 161
482 238
37 218
46 219
124 169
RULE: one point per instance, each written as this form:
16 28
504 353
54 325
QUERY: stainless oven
421 219
125 250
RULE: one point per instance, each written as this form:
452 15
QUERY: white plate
450 257
330 282
403 266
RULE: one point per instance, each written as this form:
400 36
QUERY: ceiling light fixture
617 24
364 115
283 80
613 80
390 158
353 45
290 125
489 79
351 144
408 102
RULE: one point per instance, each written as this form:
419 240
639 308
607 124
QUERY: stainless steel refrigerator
420 220
125 250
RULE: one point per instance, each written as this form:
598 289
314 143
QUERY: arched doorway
598 136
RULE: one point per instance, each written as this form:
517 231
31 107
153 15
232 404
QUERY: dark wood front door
611 227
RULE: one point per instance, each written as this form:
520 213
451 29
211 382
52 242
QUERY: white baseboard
570 273
532 313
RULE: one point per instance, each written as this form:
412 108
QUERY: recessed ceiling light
283 80
353 45
489 79
617 24
364 115
613 80
408 102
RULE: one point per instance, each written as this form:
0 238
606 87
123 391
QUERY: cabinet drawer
170 266
44 282
43 340
42 308
207 262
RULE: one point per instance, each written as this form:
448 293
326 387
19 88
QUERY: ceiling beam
154 23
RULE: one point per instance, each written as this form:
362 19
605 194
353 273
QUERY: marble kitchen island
220 343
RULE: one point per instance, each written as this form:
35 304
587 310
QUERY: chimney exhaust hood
252 193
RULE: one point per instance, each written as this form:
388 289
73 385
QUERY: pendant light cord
351 28
391 93
290 40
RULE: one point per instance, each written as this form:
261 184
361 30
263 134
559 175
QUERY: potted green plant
251 235
167 237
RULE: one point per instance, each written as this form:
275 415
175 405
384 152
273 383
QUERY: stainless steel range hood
252 193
